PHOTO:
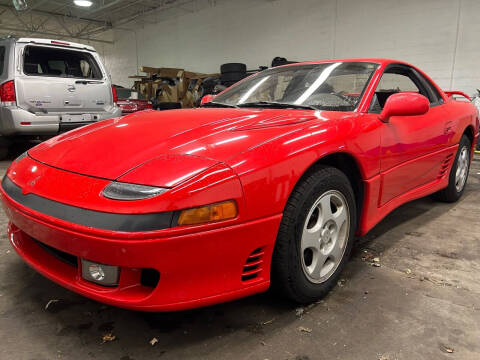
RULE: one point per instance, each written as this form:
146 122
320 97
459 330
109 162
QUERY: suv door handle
85 82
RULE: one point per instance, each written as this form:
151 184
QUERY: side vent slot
445 165
254 265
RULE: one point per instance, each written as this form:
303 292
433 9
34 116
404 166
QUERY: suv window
2 58
399 78
47 61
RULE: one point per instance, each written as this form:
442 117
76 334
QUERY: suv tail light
7 92
56 42
114 94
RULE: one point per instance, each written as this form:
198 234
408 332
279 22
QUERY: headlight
210 213
126 191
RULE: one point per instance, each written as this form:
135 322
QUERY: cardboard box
170 85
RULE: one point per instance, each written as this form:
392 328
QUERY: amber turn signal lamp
209 213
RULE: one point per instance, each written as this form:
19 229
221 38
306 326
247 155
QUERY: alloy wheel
462 169
324 236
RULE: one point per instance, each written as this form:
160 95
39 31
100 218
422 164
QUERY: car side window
435 97
397 79
396 82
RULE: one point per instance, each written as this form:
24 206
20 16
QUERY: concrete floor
423 302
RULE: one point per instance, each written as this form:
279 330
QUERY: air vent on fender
253 265
445 165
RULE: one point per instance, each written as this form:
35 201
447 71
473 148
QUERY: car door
411 146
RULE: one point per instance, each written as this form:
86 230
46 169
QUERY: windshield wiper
278 105
219 105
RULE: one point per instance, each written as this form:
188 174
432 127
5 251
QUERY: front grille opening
253 265
61 255
149 277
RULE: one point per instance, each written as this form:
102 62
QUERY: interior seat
31 68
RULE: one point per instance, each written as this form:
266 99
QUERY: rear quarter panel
464 115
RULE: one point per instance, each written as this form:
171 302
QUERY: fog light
96 272
102 274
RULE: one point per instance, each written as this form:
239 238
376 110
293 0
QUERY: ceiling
61 19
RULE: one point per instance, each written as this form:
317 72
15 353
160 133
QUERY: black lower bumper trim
61 255
63 127
90 218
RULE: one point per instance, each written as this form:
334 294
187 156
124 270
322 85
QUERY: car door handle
448 127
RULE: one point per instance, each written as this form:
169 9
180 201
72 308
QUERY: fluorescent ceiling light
83 3
20 5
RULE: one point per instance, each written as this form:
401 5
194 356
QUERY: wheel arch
350 166
469 132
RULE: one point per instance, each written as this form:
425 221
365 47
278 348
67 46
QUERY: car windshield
336 86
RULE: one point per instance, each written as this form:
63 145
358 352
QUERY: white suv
51 86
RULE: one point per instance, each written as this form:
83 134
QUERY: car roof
381 61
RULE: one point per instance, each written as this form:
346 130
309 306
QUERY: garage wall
442 37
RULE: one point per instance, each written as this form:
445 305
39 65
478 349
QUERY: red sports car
269 181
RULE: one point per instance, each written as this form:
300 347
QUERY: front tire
316 235
458 174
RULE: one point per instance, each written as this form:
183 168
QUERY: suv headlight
127 191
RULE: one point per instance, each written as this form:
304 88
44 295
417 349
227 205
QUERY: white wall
442 37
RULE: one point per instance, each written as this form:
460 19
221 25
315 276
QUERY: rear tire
315 236
458 174
233 68
232 77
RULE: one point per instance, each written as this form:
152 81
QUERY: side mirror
404 104
206 99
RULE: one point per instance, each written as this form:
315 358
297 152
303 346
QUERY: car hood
182 141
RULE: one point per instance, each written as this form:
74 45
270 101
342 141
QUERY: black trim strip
60 255
90 218
63 127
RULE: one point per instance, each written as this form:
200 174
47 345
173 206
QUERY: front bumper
196 269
